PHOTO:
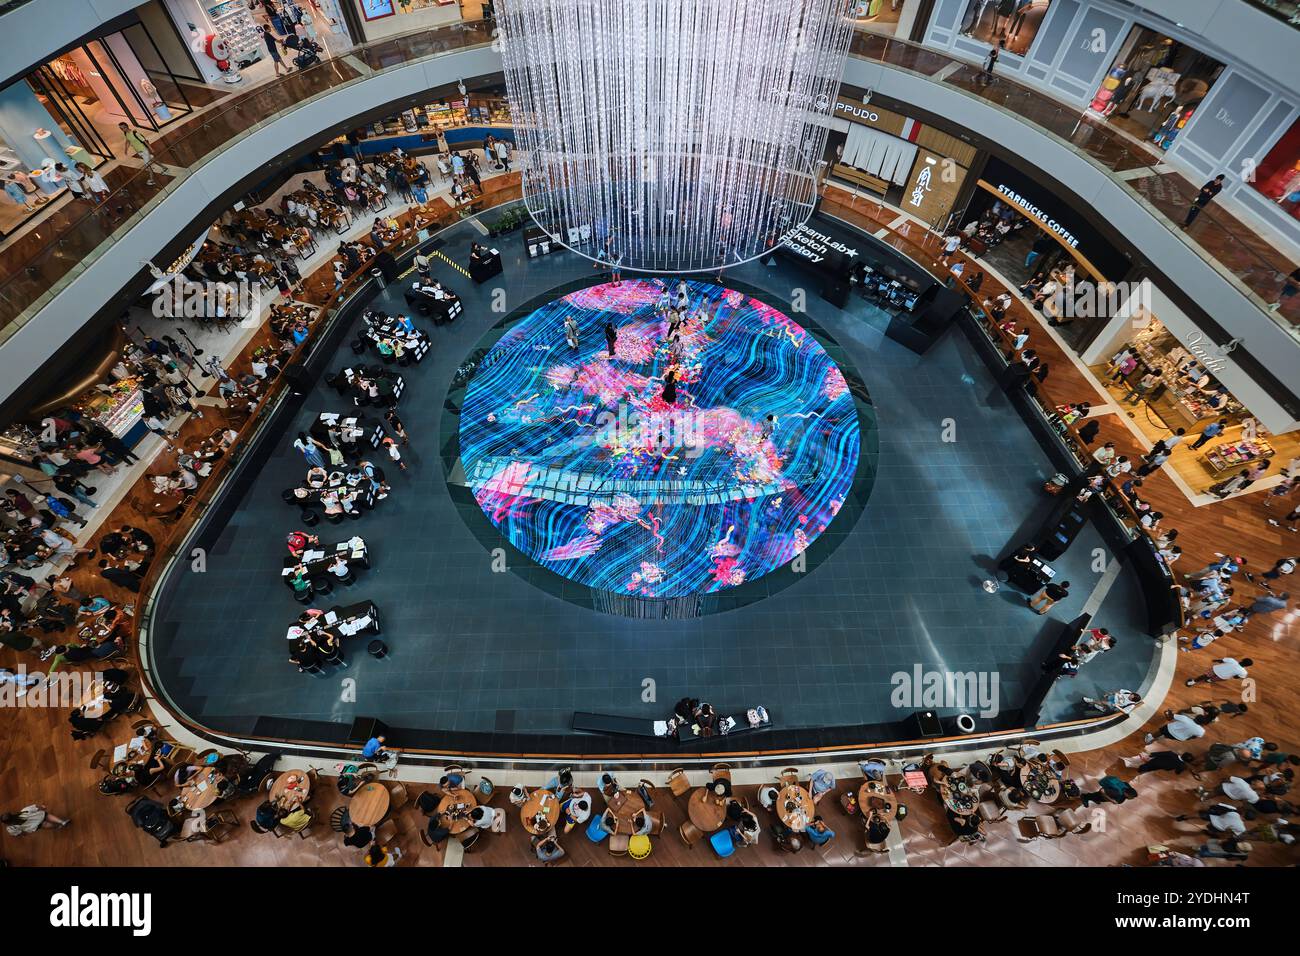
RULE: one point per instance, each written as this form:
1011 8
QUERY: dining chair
788 777
690 833
1073 821
657 822
144 727
678 785
98 762
618 844
397 796
427 802
1042 825
991 811
386 832
469 838
722 771
339 820
209 756
722 843
639 847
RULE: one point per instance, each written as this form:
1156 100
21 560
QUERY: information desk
538 242
482 268
352 619
317 561
441 308
355 429
390 385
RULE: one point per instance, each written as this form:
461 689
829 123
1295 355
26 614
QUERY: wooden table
137 758
707 810
872 792
625 804
369 805
800 814
200 791
291 789
961 802
540 802
1038 781
454 808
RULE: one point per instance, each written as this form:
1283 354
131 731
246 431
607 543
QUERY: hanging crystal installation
679 135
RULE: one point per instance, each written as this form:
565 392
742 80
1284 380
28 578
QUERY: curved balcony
1221 262
32 34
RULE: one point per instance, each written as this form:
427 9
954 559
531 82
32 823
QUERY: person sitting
819 834
146 774
642 824
548 848
357 836
485 818
437 830
877 830
577 810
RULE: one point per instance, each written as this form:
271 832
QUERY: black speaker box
928 724
363 728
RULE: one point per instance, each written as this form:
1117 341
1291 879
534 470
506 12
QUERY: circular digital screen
655 451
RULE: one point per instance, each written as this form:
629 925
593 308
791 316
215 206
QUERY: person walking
1225 668
1228 486
1204 198
1282 566
311 450
1110 789
135 144
1268 604
30 819
1048 596
1211 431
611 337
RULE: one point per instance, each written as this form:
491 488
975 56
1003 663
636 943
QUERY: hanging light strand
681 135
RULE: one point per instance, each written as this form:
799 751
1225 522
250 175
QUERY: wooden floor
42 764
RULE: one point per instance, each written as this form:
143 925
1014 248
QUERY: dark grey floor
478 650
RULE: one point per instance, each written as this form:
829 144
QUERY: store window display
1154 86
387 17
1015 21
886 17
1277 175
31 142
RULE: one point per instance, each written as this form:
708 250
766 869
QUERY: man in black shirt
1203 198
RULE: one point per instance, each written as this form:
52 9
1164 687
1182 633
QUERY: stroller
309 51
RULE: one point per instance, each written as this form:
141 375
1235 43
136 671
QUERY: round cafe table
542 802
200 791
801 811
134 758
626 804
1039 782
707 810
291 789
369 805
874 797
961 802
454 808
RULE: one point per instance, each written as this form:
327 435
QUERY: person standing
1204 198
1290 286
990 61
611 338
273 44
1226 487
311 450
1280 567
1046 598
135 144
571 332
1211 431
1268 604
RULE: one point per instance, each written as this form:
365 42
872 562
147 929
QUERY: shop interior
1171 389
881 16
1016 21
1154 86
389 17
438 126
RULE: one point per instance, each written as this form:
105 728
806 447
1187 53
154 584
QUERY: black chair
426 803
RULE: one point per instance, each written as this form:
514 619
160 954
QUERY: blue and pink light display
656 471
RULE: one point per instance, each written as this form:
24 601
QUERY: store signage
816 246
1062 233
922 184
862 114
1198 345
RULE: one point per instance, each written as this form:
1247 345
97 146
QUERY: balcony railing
1217 236
37 266
32 271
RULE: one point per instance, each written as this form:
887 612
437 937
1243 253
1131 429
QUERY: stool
354 514
288 497
310 518
334 518
323 586
638 848
303 598
377 649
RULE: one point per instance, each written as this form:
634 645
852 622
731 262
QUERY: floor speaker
364 728
928 724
